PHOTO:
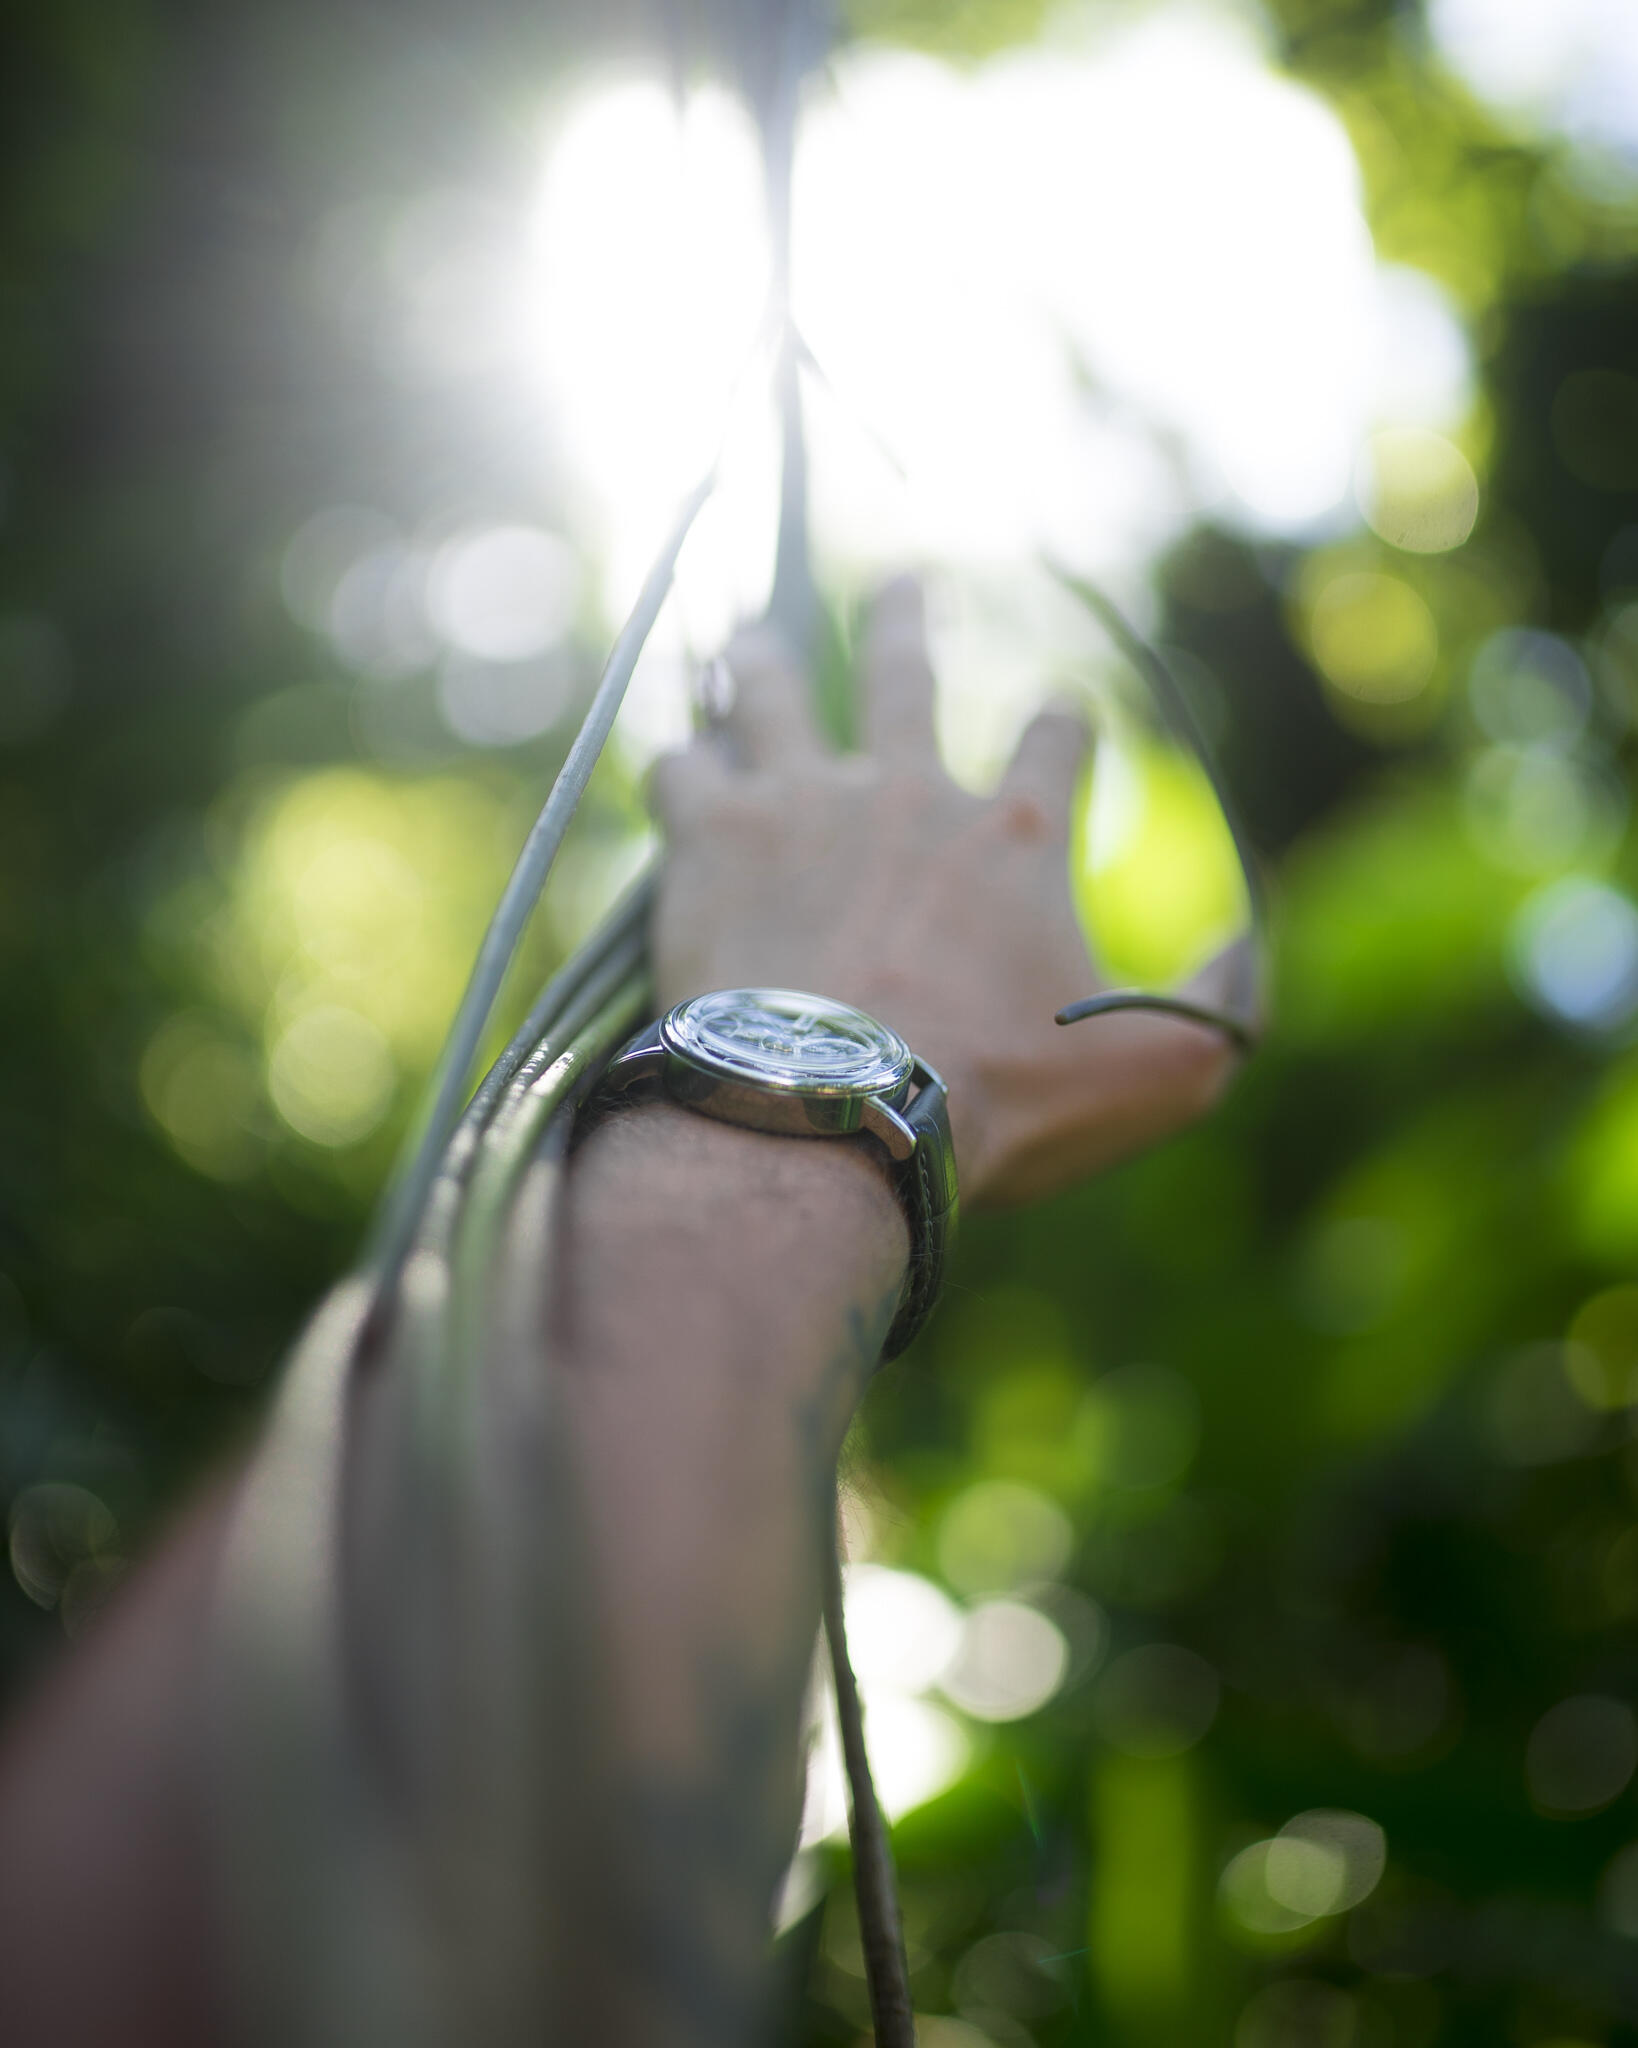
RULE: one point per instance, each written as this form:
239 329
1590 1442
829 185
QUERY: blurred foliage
1332 1398
967 28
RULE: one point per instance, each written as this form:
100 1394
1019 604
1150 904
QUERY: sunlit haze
1064 301
1565 65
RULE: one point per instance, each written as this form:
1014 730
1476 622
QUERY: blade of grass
396 1224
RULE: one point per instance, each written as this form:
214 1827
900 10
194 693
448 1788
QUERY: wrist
777 1258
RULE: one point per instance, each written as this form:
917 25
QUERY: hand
874 879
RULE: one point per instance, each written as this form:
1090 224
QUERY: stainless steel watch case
766 1105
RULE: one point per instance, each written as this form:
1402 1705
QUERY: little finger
1047 764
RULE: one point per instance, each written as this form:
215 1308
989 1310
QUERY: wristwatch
777 1060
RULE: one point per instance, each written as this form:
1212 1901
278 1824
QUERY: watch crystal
787 1040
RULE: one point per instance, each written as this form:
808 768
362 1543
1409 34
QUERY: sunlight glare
502 593
1064 302
902 1631
1012 1660
1572 66
1077 293
651 258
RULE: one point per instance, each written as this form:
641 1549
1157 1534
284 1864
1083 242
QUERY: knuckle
755 647
747 817
1023 819
1059 731
897 645
758 681
905 791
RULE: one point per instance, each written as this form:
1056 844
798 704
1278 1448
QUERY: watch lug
642 1061
890 1129
925 1076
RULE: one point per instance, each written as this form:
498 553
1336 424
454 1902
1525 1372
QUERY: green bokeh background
1402 1525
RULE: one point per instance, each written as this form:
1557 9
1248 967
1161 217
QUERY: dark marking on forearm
706 1854
703 1853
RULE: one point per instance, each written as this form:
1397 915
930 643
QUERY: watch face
780 1039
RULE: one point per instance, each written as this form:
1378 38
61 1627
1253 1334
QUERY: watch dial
777 1037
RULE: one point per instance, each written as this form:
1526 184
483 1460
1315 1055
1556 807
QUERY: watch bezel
886 1077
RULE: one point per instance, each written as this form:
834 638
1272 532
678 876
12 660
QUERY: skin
874 878
724 1299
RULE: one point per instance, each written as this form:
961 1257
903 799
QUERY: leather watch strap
926 1185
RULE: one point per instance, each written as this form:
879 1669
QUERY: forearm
107 1922
724 1297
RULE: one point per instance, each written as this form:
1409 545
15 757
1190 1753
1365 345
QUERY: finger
684 785
1047 765
713 693
896 677
769 720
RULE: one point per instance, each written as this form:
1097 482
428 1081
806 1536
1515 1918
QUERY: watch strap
926 1184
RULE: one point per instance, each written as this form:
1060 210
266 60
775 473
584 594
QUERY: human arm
874 879
725 1294
723 1297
